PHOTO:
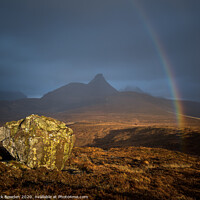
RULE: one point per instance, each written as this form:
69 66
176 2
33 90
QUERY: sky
45 44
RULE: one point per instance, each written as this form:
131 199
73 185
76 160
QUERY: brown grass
133 161
119 173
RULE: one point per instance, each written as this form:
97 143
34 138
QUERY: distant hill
11 96
191 108
132 89
96 96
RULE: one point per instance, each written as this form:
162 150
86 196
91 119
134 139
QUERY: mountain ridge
78 94
97 95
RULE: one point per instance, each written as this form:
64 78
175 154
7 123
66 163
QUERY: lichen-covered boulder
38 141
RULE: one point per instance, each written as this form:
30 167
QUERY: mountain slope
130 102
75 95
100 87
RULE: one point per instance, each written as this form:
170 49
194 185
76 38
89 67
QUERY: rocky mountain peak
100 86
99 78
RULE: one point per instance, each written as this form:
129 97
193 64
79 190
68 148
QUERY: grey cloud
45 44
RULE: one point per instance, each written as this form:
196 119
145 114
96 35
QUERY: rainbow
164 61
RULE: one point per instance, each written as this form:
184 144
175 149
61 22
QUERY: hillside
119 173
186 141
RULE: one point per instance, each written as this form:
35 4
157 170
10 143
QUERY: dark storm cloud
45 44
177 24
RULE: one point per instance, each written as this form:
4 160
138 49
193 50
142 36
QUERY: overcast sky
45 44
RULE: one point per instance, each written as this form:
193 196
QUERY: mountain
122 106
98 96
11 95
100 87
75 95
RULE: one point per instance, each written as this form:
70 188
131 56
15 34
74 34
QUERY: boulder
38 141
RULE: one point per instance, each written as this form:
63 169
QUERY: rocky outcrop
38 141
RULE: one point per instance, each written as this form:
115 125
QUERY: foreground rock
38 141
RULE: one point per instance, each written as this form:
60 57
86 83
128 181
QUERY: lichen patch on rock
38 141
